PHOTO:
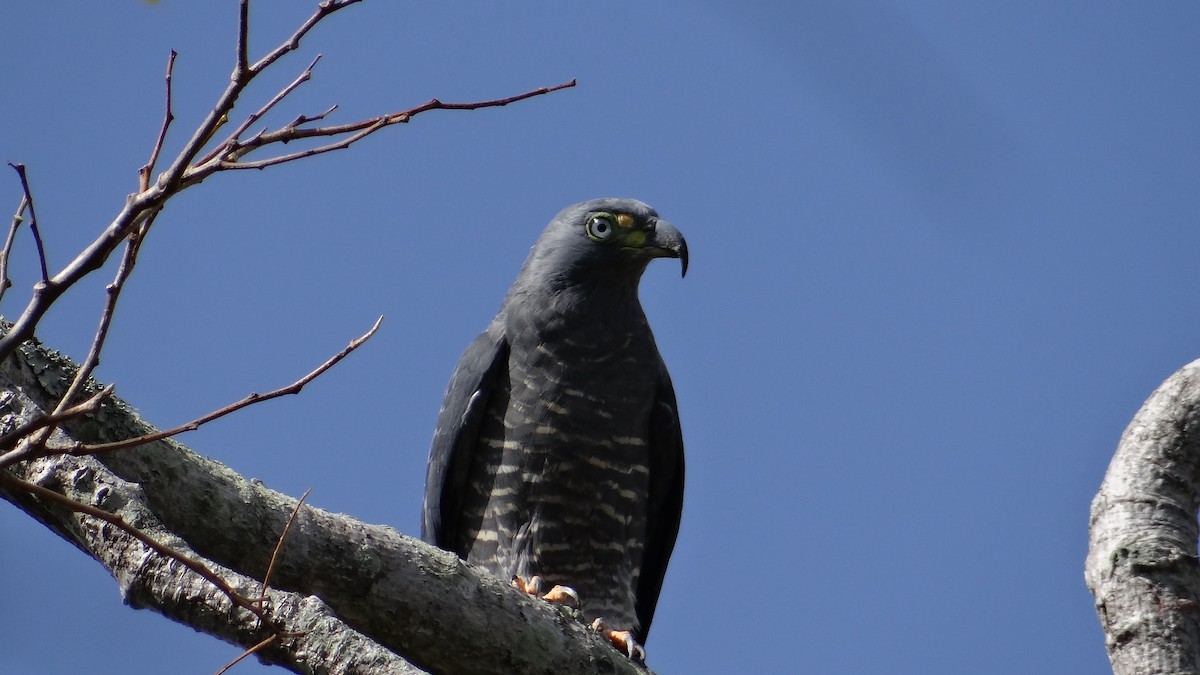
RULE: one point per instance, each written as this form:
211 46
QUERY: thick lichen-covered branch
384 588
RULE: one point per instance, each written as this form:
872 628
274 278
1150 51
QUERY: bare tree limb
185 536
16 485
229 155
315 639
185 172
420 602
1142 564
53 419
36 443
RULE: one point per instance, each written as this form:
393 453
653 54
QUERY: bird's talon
532 587
622 640
562 595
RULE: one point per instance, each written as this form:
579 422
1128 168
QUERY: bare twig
113 291
17 220
377 124
305 119
323 10
293 388
89 406
233 139
230 152
148 169
117 521
266 582
36 446
261 645
184 171
33 222
242 58
140 206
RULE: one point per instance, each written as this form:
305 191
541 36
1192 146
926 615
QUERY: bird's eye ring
600 227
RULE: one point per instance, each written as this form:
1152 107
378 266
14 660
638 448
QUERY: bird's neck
558 304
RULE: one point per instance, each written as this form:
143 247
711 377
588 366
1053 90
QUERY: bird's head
605 240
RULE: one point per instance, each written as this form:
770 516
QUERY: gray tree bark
1142 564
361 598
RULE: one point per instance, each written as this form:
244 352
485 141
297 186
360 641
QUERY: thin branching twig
112 292
266 582
148 169
294 388
228 156
34 445
303 77
185 170
261 645
130 226
33 221
18 219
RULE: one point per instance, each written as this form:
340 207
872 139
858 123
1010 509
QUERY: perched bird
558 456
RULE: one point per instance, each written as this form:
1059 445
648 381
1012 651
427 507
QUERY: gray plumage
558 450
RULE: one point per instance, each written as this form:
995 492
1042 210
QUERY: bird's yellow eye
600 226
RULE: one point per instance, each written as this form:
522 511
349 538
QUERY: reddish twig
323 10
184 171
266 582
113 292
294 388
33 221
145 172
305 119
266 641
230 152
17 220
36 446
232 140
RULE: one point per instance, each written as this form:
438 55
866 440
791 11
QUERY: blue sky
940 254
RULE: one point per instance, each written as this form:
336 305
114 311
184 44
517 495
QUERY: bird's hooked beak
665 241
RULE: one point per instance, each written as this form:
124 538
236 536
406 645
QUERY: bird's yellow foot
562 595
622 640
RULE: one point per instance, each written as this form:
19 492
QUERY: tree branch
251 399
148 578
1142 564
16 485
148 168
18 219
228 155
418 601
33 221
185 172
